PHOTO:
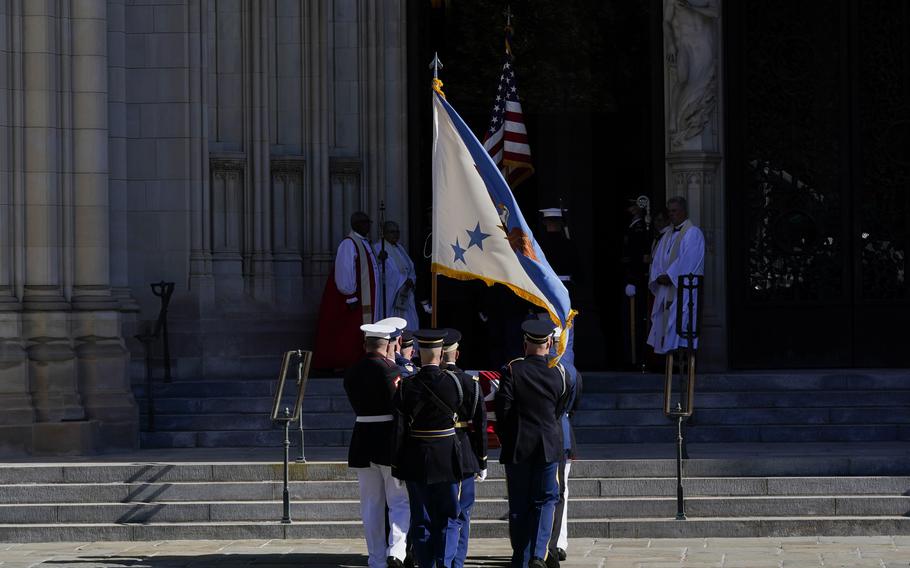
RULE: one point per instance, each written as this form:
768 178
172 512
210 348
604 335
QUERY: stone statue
689 33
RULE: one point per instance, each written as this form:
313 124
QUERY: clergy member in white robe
680 251
400 277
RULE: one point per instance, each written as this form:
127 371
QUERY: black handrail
163 290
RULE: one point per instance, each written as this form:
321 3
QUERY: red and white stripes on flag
506 140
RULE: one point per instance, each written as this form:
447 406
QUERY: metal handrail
164 291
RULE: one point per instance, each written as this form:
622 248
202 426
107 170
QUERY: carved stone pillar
694 148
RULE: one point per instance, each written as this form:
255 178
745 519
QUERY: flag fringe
437 268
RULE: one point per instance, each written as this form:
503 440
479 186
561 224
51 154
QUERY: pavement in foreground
876 551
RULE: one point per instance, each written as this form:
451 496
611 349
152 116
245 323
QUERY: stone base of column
66 438
52 373
262 282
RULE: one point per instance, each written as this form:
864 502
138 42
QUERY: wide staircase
772 454
757 493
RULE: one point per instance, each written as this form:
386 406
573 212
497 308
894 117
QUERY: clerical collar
680 227
359 235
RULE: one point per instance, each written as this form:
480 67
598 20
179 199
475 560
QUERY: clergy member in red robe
349 299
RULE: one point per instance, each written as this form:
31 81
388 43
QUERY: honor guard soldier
394 352
427 454
471 431
530 403
371 385
404 357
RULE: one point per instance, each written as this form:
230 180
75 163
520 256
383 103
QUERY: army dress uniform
370 385
428 457
530 403
471 431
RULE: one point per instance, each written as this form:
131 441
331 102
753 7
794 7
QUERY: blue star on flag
459 252
477 236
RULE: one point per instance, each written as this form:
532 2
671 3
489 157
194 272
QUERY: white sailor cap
551 212
396 322
377 330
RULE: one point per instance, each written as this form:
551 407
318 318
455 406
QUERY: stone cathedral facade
217 144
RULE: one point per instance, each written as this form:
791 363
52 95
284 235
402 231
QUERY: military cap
453 336
537 331
407 339
430 338
377 330
551 212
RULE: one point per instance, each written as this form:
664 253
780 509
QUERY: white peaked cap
395 322
551 212
377 330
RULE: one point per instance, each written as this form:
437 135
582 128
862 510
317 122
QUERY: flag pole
435 65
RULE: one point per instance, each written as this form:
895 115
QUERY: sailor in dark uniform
397 344
371 385
559 540
636 261
530 403
563 258
427 454
471 431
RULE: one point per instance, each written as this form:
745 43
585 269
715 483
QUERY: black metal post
164 290
149 391
680 499
302 458
286 495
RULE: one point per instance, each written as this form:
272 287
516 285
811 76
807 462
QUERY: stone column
102 357
694 146
46 110
317 246
16 410
258 217
201 281
117 178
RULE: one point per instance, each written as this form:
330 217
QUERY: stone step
67 493
849 474
742 384
745 433
484 509
579 527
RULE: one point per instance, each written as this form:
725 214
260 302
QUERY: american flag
506 139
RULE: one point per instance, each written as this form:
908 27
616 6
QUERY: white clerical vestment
346 271
399 299
680 251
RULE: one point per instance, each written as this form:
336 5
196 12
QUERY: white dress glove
630 290
481 476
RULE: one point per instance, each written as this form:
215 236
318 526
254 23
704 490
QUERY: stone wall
217 144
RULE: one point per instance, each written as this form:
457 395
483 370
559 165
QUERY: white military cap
396 322
377 330
551 212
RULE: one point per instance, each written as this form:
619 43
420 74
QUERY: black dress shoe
393 562
537 563
561 553
552 561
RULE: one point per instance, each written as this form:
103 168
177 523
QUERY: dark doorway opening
588 74
818 166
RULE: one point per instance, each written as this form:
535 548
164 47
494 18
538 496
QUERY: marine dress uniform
428 456
530 403
471 431
370 385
